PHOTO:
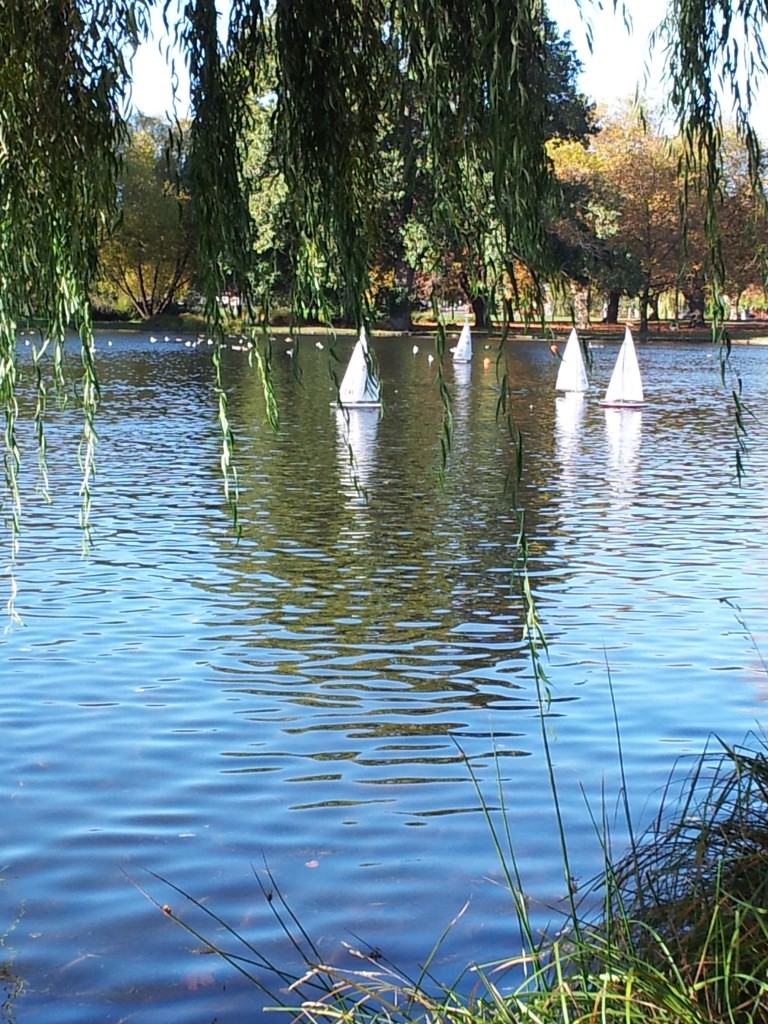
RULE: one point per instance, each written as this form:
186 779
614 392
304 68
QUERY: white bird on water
415 349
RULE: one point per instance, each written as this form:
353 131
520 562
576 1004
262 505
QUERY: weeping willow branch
716 54
63 80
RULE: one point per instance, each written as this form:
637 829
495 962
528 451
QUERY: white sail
572 375
625 388
359 387
463 351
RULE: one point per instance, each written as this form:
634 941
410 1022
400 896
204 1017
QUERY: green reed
681 936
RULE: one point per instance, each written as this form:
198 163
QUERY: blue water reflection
193 704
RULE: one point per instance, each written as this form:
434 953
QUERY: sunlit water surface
302 701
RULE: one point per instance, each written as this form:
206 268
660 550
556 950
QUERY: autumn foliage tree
149 259
628 223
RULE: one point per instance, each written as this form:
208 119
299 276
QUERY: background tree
150 257
744 222
638 170
479 249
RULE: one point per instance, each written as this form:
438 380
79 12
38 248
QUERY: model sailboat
360 388
572 375
463 351
625 388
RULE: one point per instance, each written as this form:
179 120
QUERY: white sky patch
622 63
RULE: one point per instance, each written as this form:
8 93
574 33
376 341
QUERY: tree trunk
612 307
477 301
399 297
694 299
399 312
644 301
580 294
480 310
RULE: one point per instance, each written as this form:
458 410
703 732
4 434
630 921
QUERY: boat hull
357 405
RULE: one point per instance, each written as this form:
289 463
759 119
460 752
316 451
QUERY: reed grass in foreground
682 935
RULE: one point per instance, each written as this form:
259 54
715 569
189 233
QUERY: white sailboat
572 375
463 351
625 388
360 388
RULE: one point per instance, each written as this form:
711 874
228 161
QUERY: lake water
185 704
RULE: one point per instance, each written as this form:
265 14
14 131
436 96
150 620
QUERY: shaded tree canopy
478 68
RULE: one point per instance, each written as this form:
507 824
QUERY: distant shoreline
740 332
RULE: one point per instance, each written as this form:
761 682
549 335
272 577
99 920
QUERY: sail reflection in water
462 372
357 431
623 429
569 421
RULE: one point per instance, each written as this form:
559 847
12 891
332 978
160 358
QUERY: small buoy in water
553 350
415 349
430 358
318 344
487 362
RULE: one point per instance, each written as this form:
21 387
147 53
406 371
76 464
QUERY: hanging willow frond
716 57
220 84
63 81
476 69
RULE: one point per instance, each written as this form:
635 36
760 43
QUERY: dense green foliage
474 75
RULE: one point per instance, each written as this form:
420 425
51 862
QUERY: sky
612 71
617 64
621 63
